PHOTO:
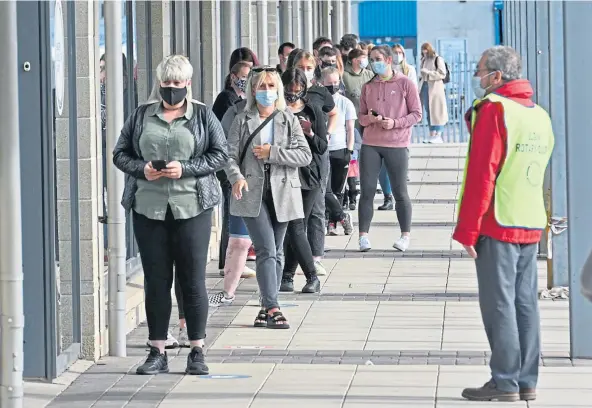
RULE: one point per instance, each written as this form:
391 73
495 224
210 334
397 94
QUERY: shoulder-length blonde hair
430 50
172 68
404 64
255 80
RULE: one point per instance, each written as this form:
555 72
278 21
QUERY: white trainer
402 244
170 342
365 245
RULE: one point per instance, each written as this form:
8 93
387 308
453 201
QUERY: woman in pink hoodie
389 107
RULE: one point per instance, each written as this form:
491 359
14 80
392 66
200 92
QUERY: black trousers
339 160
296 246
184 244
226 192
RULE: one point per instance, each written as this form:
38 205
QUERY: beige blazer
434 75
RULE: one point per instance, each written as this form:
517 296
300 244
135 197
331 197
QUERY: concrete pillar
315 20
194 48
286 22
347 18
153 33
90 190
262 30
180 29
273 15
337 21
246 28
325 18
210 51
308 30
229 33
296 23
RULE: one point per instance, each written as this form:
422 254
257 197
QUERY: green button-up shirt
161 140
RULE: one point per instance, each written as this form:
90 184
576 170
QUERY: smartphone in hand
159 165
373 112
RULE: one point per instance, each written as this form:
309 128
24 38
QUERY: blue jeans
508 297
237 227
425 101
385 183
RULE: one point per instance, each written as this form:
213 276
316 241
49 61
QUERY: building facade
63 150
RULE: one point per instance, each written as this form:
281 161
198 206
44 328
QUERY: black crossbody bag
267 179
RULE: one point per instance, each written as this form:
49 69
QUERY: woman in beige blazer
432 91
266 148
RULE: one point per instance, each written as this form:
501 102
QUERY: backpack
447 77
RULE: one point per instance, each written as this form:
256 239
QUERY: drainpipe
115 180
11 256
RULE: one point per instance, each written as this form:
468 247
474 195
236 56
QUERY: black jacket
223 101
210 155
310 176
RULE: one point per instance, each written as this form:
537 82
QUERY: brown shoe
527 394
489 392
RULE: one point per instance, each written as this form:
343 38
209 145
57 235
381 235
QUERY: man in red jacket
501 218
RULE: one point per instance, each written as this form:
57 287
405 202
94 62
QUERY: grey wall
472 20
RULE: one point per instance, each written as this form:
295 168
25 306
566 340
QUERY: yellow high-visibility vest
518 196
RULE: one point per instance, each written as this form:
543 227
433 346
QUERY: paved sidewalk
387 330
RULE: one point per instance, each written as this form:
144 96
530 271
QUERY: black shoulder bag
250 139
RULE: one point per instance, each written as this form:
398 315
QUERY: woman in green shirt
170 149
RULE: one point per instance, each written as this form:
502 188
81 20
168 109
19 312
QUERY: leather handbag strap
261 126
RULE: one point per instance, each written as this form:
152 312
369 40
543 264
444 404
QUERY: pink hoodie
396 99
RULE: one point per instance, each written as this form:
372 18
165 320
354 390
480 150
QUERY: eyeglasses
266 68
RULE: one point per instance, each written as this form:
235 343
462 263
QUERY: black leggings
182 243
339 160
296 246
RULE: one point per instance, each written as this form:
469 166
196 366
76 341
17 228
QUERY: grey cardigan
289 151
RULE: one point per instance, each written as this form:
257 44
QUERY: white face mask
477 88
398 59
364 63
309 76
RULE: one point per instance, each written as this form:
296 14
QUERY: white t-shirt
347 111
266 133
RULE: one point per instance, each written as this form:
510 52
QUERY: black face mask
333 89
173 96
326 64
293 97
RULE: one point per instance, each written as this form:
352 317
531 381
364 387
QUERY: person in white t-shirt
341 147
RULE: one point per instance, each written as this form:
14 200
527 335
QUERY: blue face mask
379 67
266 98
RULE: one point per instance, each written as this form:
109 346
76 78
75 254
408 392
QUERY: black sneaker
313 285
156 363
196 364
287 285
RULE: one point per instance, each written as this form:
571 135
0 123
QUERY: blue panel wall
388 19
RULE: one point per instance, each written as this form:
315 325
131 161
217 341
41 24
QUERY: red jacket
486 158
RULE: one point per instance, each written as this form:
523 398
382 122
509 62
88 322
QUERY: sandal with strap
277 321
261 319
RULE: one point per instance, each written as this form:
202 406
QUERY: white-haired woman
170 149
266 148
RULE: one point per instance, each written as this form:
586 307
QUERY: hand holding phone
159 165
375 116
306 126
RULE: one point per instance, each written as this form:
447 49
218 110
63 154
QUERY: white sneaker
220 299
183 338
170 342
365 245
248 273
320 269
402 244
436 140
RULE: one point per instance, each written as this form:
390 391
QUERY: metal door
46 49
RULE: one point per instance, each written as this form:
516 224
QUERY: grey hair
325 72
171 68
505 60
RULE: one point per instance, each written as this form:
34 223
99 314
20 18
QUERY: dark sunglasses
266 68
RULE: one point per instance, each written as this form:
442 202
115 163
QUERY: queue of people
281 148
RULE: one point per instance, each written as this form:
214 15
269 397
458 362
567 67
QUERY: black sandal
277 321
261 319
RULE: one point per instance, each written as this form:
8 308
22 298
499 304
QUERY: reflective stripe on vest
518 196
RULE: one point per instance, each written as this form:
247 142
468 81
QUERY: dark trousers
333 204
296 246
184 244
339 160
226 191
